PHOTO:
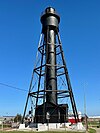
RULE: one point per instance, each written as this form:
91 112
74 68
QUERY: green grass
60 132
92 130
5 126
40 132
94 123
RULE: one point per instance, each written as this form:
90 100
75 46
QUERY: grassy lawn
89 131
94 123
92 130
5 126
40 132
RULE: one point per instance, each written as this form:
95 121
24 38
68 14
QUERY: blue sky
20 28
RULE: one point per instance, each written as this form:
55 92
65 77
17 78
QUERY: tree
18 118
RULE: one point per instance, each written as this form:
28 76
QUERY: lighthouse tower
50 85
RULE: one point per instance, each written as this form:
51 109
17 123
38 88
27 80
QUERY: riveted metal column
50 21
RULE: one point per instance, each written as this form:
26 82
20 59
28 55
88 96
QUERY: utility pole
86 122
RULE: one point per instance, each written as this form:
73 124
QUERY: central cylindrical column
51 81
50 21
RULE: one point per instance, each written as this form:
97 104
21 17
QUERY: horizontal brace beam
37 72
41 46
58 45
60 74
36 92
42 52
33 96
61 91
63 96
64 91
59 53
60 67
55 65
42 74
39 67
40 97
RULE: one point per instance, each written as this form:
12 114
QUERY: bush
18 118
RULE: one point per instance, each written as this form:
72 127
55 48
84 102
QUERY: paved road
97 130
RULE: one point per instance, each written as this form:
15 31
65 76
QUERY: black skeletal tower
50 85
